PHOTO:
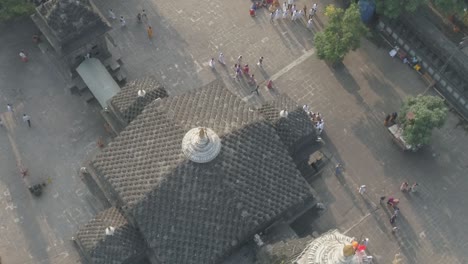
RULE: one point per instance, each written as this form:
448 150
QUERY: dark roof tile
293 128
100 248
127 103
197 213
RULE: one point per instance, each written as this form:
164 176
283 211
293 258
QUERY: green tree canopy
393 8
419 116
342 33
15 8
451 7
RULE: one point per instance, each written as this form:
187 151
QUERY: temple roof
192 212
292 128
73 23
100 248
127 103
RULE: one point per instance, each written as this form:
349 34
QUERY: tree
453 7
342 33
419 116
393 8
15 8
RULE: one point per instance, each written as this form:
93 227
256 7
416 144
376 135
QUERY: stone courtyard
353 99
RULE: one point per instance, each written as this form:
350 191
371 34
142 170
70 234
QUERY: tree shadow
388 97
347 81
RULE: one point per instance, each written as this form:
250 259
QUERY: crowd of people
288 10
316 119
392 202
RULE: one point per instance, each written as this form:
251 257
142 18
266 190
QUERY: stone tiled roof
126 102
100 248
293 128
70 19
197 213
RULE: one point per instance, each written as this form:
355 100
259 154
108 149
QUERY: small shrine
333 247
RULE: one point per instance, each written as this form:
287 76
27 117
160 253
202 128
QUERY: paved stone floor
63 133
353 98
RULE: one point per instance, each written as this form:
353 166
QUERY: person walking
339 166
123 23
238 71
23 56
235 71
150 32
139 18
305 10
260 62
272 16
365 242
299 14
404 187
387 120
27 119
239 60
314 9
9 108
413 187
111 14
362 189
278 14
221 58
212 63
393 117
285 13
252 80
310 23
285 6
143 15
393 218
256 90
290 3
382 199
245 70
294 15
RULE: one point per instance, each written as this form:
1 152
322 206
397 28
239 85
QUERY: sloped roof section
70 19
100 248
292 128
127 103
198 212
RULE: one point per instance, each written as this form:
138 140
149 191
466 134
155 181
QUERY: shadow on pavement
347 81
388 97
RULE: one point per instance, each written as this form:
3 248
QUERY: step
80 84
87 95
120 76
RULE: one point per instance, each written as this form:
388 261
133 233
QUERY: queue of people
316 119
287 11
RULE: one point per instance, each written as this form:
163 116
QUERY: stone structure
134 97
201 145
294 128
74 28
194 176
331 248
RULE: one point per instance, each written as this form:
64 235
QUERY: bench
428 79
